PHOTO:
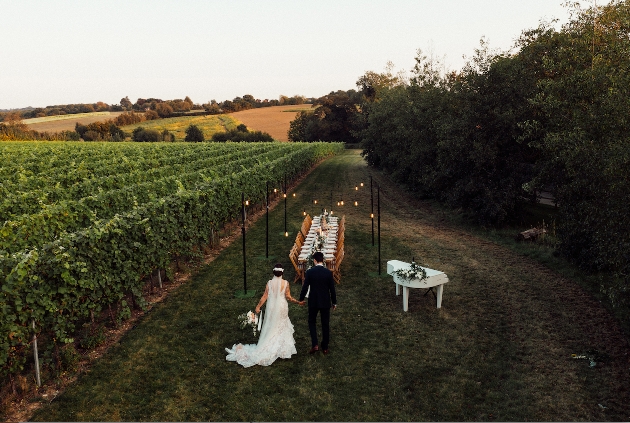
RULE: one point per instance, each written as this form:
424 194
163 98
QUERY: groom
322 291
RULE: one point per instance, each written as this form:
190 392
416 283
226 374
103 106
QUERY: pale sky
61 52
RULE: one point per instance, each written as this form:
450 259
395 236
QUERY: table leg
440 289
397 289
405 298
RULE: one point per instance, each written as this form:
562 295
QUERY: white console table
434 278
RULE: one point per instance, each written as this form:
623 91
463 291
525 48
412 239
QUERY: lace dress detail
276 337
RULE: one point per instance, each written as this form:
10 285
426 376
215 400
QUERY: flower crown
278 269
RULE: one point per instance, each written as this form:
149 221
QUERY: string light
294 194
356 188
275 190
304 212
285 195
286 234
372 215
356 203
361 183
315 201
247 202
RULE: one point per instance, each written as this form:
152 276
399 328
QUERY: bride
276 337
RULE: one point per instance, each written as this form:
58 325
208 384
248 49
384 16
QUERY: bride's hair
278 270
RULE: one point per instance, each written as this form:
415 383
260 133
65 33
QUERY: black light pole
372 205
244 254
267 216
378 193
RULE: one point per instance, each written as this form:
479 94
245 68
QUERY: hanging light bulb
372 215
342 202
247 202
331 212
315 201
286 234
361 183
275 190
304 212
356 188
285 195
356 203
294 194
338 203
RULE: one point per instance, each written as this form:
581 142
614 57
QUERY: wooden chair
306 225
337 265
299 240
293 256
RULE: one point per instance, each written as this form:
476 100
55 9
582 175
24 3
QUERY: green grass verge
499 349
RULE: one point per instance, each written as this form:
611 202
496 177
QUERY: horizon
70 52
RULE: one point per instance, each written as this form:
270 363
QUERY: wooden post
267 218
36 356
244 252
160 277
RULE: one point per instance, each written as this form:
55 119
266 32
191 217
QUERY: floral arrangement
320 242
412 272
249 319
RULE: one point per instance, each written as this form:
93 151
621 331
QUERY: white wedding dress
276 337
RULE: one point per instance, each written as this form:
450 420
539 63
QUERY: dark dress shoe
314 349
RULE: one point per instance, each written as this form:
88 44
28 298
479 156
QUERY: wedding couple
276 337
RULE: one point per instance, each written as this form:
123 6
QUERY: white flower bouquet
249 319
412 272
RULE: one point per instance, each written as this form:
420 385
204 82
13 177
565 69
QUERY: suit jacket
322 286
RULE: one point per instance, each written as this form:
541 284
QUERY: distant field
66 122
273 120
208 124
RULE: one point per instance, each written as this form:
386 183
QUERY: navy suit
321 297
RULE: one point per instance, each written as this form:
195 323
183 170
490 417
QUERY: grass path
500 347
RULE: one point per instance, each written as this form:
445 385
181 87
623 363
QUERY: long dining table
322 236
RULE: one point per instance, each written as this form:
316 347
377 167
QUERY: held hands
301 303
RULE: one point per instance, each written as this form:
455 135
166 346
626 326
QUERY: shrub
194 134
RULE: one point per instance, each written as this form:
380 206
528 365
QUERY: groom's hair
318 257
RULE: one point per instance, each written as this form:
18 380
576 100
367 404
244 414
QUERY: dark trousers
312 325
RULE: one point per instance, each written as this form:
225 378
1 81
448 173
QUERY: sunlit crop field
273 120
67 122
209 124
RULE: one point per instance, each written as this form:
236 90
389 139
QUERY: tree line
154 108
551 115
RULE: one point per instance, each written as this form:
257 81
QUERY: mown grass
499 348
209 125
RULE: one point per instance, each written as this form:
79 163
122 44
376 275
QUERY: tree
163 110
145 135
194 134
151 115
126 103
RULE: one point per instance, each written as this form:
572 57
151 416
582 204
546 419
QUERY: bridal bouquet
412 272
249 319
